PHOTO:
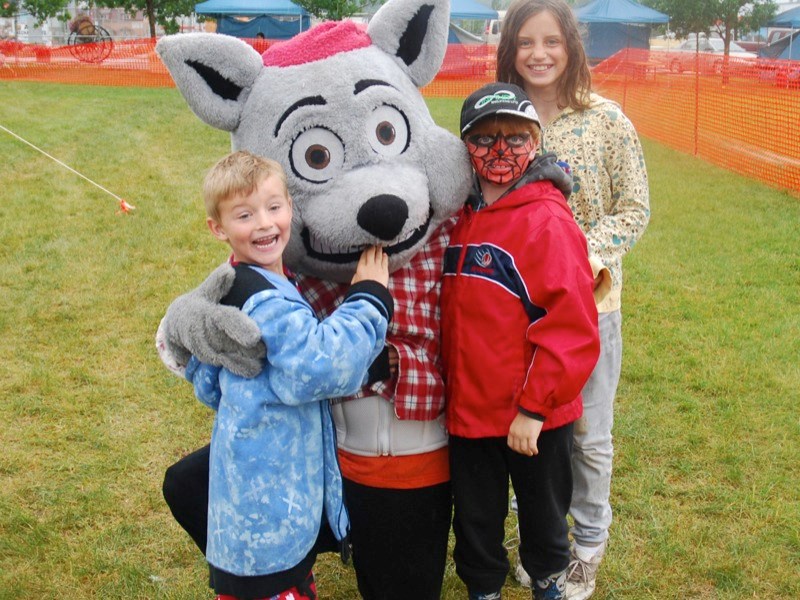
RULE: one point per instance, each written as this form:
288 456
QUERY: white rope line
64 165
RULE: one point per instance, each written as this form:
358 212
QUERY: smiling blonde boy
275 489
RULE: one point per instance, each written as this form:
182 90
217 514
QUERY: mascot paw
196 324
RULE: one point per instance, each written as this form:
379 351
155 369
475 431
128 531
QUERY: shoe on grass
582 574
521 575
487 596
550 588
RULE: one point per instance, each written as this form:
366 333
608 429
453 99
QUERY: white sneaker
521 575
582 575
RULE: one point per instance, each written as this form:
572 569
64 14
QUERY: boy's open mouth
266 242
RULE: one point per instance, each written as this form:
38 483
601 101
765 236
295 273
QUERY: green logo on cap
501 96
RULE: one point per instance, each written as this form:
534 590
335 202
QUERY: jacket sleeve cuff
602 279
532 414
190 369
379 369
374 293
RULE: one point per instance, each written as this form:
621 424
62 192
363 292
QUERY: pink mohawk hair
317 43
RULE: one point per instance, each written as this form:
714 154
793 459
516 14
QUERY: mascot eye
317 155
387 131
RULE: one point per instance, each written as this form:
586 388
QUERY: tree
162 12
723 16
756 15
333 10
40 10
8 9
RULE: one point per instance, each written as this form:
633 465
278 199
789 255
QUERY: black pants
399 540
399 537
185 489
480 470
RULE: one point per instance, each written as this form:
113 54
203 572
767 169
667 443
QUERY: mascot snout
383 216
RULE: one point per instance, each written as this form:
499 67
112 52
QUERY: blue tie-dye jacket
273 447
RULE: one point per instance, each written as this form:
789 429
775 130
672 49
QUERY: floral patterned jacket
610 197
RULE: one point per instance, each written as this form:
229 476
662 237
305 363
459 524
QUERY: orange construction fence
741 114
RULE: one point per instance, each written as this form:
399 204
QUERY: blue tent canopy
613 25
470 10
267 10
274 19
786 48
249 7
618 11
457 35
460 10
271 28
789 19
602 40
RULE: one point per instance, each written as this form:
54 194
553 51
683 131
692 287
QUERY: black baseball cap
496 99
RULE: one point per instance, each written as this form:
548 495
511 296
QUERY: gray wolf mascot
339 107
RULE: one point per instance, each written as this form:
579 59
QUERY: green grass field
706 496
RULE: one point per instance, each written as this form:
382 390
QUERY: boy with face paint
519 340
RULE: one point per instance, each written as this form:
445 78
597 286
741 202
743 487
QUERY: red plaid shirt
417 390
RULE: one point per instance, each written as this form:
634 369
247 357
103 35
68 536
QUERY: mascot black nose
383 216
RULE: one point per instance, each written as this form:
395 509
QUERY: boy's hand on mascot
373 265
197 324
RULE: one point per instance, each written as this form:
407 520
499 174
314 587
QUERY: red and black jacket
519 322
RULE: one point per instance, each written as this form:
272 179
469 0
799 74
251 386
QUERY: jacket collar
544 167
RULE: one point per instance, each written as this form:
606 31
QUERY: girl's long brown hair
575 83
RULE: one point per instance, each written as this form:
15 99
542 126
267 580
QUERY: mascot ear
213 72
415 33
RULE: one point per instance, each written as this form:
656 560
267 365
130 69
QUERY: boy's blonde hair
238 174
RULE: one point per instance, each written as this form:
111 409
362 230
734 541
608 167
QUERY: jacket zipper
469 215
342 504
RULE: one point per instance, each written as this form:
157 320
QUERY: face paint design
498 158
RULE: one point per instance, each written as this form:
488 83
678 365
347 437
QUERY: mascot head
339 107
